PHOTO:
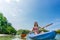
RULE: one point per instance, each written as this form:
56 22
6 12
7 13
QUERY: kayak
43 36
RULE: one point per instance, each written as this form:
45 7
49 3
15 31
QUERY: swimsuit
35 29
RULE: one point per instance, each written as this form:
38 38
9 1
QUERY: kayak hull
48 35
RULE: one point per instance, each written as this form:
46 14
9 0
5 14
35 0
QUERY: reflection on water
17 37
58 37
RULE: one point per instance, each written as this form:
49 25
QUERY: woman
35 28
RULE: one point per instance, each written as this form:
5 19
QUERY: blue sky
23 13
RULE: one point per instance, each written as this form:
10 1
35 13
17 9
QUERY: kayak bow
47 35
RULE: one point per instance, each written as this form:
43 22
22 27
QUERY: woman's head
35 24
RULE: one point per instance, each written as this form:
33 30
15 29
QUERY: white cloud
1 1
17 0
8 1
14 15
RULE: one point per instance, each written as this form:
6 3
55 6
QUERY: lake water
17 37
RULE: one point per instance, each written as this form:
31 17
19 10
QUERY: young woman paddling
35 28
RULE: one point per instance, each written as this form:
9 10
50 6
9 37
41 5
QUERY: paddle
41 29
47 25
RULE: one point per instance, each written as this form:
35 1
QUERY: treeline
5 26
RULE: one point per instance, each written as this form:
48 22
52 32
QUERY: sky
23 13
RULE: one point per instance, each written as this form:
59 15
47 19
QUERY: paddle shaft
47 25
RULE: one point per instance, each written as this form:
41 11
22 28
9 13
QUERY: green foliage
25 31
5 26
42 29
58 31
21 31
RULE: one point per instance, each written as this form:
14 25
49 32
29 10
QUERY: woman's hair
35 24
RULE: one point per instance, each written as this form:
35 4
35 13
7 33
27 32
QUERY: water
17 37
57 37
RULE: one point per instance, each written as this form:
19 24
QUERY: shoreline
4 35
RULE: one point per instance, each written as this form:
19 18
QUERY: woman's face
36 24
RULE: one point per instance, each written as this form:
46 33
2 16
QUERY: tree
5 26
